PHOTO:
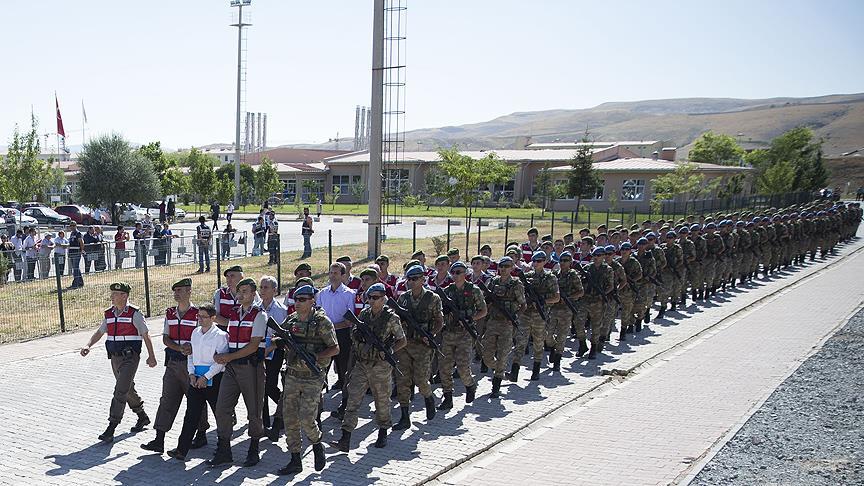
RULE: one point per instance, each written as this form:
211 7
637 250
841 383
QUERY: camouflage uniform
569 284
697 267
714 246
688 261
302 394
727 259
415 359
457 342
370 370
498 338
546 286
611 307
745 255
673 274
629 295
660 259
599 283
646 287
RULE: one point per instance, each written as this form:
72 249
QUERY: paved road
56 403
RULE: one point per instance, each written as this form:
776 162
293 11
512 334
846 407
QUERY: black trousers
272 372
196 400
343 359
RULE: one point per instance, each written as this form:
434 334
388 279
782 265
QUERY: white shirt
60 245
204 347
46 246
18 243
30 247
230 208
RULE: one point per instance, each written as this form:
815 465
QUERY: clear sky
166 70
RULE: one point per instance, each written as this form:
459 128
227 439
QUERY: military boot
142 422
276 430
694 295
157 444
430 407
556 363
344 442
583 347
637 326
661 312
108 435
447 403
223 454
252 456
318 453
514 372
622 336
593 353
296 464
496 388
673 305
483 367
683 299
535 371
382 439
647 315
470 392
404 420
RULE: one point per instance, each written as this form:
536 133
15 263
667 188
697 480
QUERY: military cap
458 264
642 241
233 268
601 226
304 290
546 243
538 256
414 270
513 249
301 267
343 259
452 251
369 272
651 236
383 258
441 258
418 253
568 235
476 257
710 226
183 282
505 261
739 223
120 287
248 281
619 227
585 230
410 263
485 247
376 287
588 240
684 229
626 246
749 224
709 219
634 227
598 252
671 234
533 230
304 281
610 249
565 256
546 238
695 227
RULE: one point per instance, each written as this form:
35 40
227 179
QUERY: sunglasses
302 299
414 278
376 297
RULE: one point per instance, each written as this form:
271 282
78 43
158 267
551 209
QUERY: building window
598 191
343 183
503 192
312 190
633 190
397 183
290 189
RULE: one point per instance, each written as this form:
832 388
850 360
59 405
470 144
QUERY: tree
777 179
731 186
542 182
313 188
111 172
466 174
224 191
803 154
202 178
437 186
174 181
720 149
247 178
582 181
683 182
266 180
357 191
26 177
332 197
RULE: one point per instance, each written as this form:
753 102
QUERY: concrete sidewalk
681 407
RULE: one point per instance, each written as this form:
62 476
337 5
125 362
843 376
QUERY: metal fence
753 203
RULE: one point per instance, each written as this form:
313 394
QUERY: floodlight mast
239 4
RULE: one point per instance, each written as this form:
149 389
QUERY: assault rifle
466 322
370 338
496 302
591 284
287 338
406 316
534 297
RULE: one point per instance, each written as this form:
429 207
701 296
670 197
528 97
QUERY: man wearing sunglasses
415 359
457 343
498 338
370 368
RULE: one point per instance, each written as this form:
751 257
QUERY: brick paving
56 403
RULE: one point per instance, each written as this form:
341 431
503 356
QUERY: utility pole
376 129
239 4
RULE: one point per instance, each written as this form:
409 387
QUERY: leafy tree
437 186
543 182
357 190
582 181
713 148
174 181
224 191
202 178
731 186
313 188
266 180
777 179
247 178
25 176
334 196
798 148
466 174
111 172
683 182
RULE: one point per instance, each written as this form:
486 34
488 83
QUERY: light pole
239 4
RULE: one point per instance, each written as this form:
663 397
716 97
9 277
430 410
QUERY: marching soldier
646 284
714 249
498 338
629 294
619 281
180 321
660 258
672 273
569 286
125 328
688 260
301 398
544 286
598 284
370 369
415 359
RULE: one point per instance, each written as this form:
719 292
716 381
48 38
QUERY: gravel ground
811 429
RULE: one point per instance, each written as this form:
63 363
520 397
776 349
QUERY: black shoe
496 388
470 392
223 454
394 393
638 327
200 440
629 329
252 456
296 464
514 372
593 353
583 348
661 312
556 361
535 371
648 315
108 435
344 442
318 453
404 420
157 444
337 385
694 296
174 453
381 442
447 403
142 422
673 306
483 367
430 407
622 336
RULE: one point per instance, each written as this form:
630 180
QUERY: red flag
59 118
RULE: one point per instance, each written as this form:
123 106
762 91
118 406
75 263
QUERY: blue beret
820 213
757 219
304 290
610 249
565 254
626 246
506 260
414 270
651 235
671 234
739 223
684 229
458 264
695 227
710 226
376 287
537 256
598 252
641 241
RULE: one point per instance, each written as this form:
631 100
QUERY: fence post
589 218
59 294
467 239
377 240
414 238
479 232
146 286
622 217
506 230
218 266
329 248
634 215
572 220
532 221
552 231
279 266
607 219
448 233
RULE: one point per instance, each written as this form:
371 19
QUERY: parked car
31 204
47 216
20 219
79 214
153 211
131 214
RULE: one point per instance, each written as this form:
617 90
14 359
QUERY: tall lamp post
239 4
